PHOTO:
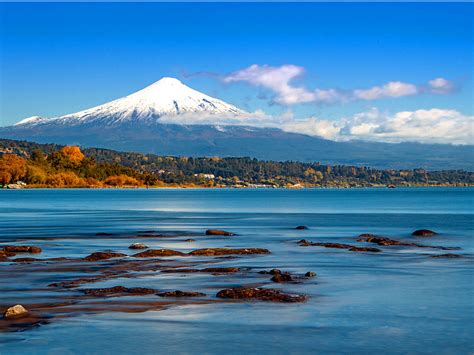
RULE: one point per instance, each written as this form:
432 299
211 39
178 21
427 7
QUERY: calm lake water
401 300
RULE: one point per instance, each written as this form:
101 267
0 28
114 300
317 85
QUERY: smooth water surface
399 301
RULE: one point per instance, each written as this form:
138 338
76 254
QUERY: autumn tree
73 154
12 168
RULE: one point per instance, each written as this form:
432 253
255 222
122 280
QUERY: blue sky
60 58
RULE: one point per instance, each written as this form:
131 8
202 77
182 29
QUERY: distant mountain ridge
134 123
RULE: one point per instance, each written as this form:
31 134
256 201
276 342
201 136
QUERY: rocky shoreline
70 288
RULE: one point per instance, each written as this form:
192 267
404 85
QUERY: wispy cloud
391 89
279 81
441 86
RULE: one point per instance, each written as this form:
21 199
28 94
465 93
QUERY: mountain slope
167 96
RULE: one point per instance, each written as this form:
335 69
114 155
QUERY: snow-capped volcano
166 97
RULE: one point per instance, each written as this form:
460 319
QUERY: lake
399 300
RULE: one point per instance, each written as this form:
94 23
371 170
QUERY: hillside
151 170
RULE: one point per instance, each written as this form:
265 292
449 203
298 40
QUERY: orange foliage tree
73 153
12 168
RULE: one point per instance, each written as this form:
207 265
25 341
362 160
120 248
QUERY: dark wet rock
119 290
146 232
365 249
261 294
219 270
447 256
184 271
301 228
189 240
270 272
15 312
152 253
423 233
304 243
179 293
310 274
218 232
282 277
104 234
349 247
137 246
278 275
103 256
25 260
6 254
22 249
226 251
384 241
216 270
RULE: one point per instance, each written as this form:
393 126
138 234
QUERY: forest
51 165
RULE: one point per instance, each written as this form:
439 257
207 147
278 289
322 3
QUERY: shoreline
237 188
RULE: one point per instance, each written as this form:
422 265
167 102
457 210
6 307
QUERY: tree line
52 165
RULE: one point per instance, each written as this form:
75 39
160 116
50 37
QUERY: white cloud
391 89
426 126
314 127
441 86
278 80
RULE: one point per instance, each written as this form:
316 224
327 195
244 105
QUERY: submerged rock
384 241
25 260
226 251
261 294
218 232
103 256
104 234
179 293
349 247
278 275
447 256
22 249
137 246
152 253
6 254
423 233
189 240
301 228
119 290
310 274
15 311
218 270
282 277
215 270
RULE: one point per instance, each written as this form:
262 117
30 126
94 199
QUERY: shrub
121 180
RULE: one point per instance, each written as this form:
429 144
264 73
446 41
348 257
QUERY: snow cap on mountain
166 97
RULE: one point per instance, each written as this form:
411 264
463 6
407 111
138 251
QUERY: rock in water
218 232
310 274
103 256
179 293
22 249
15 311
423 233
227 251
301 228
138 246
261 294
153 253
